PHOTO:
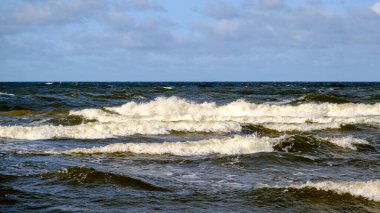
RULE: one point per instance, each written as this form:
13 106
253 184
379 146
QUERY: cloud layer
202 40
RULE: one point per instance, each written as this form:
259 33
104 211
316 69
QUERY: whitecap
111 130
368 189
7 94
225 146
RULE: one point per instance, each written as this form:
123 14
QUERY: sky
197 40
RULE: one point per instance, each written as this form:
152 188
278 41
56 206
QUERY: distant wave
322 99
7 94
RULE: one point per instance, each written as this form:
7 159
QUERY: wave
304 127
308 143
6 94
15 113
348 142
84 175
118 95
163 88
112 130
68 120
368 189
321 98
168 106
225 146
46 98
303 117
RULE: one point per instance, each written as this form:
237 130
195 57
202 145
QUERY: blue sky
199 40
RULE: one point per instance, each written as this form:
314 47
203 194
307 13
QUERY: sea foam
111 130
162 115
177 109
6 94
369 189
225 146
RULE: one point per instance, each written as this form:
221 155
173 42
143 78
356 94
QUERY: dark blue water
79 147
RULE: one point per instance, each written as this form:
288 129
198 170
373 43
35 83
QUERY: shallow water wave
176 106
310 143
224 146
304 117
112 130
368 189
84 175
321 99
15 113
348 142
304 127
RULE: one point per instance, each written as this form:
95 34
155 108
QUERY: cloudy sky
198 40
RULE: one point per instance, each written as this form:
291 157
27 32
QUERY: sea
189 147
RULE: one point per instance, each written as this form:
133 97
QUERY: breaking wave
224 146
369 189
7 94
163 115
303 117
346 142
112 130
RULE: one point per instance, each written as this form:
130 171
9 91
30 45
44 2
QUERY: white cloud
227 28
271 4
143 5
51 12
221 10
376 8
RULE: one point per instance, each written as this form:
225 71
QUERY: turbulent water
195 147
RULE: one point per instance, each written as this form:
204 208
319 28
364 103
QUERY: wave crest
303 117
369 189
84 175
111 130
226 146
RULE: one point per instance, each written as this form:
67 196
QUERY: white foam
303 127
6 94
225 146
110 130
369 189
346 142
168 106
176 109
168 88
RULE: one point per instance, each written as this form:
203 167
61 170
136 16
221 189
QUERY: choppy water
238 147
